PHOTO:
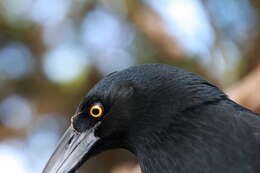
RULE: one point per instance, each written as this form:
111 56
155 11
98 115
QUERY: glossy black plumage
173 121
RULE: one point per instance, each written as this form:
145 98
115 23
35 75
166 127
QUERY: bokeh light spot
186 20
16 11
115 60
102 30
65 63
43 139
12 160
15 61
49 12
15 112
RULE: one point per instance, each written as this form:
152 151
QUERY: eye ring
96 110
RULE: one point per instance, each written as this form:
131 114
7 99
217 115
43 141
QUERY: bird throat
167 159
187 158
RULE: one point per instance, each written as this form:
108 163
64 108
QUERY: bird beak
71 150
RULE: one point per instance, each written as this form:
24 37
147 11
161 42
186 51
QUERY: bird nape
172 120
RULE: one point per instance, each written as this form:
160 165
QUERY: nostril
70 140
68 144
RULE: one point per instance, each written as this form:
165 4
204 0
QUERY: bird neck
204 140
178 154
169 158
196 156
154 161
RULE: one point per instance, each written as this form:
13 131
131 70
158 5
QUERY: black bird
172 120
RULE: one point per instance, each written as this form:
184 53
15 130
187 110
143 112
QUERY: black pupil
95 111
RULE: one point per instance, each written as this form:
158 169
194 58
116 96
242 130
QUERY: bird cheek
99 132
80 124
103 131
109 130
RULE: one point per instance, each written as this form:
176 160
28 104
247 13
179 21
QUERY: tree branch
246 91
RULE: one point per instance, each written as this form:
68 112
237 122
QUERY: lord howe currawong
172 120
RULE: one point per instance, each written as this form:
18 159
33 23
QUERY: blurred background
53 51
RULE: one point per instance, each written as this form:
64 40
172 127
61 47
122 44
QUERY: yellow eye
96 110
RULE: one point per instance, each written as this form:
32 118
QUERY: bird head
125 109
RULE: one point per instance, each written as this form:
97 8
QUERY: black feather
175 122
